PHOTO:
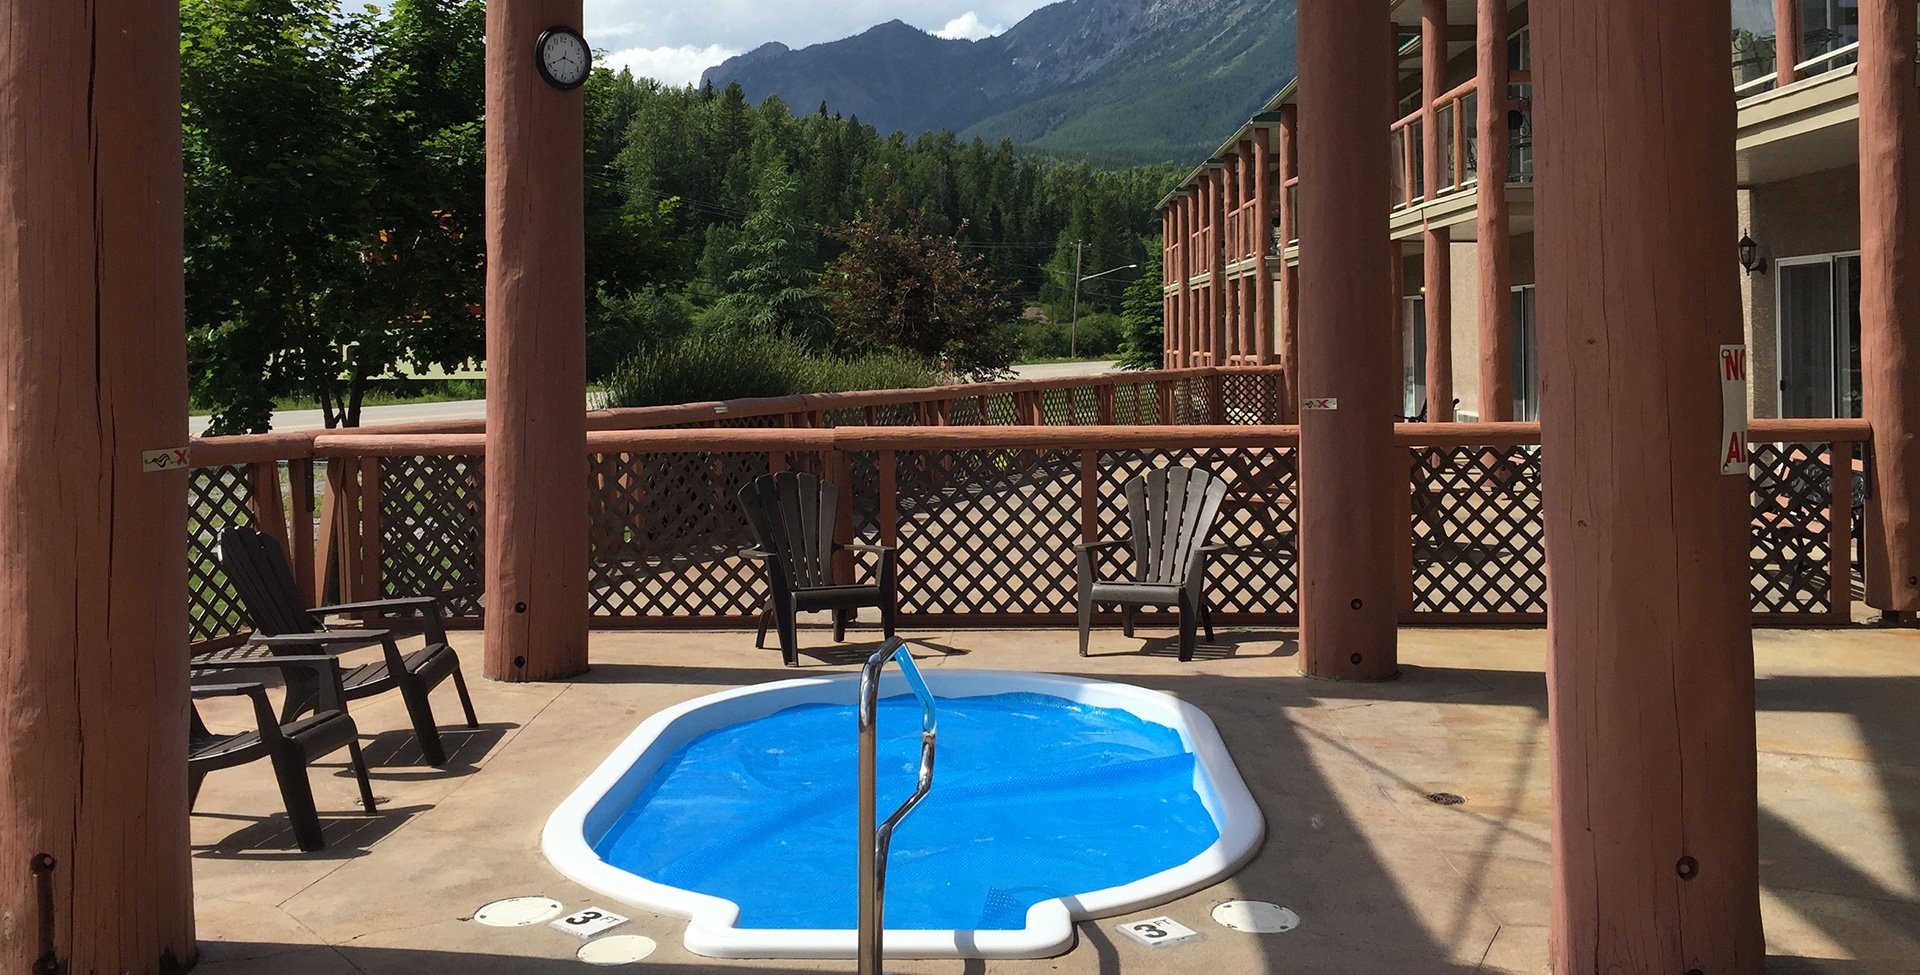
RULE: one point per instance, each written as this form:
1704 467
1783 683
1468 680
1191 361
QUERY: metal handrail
874 841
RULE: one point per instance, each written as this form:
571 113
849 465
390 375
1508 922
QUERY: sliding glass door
1819 322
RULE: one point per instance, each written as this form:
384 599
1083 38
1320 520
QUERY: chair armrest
1101 545
326 670
322 639
406 602
754 553
257 693
862 547
427 606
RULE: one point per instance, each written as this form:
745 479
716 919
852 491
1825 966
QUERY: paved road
290 420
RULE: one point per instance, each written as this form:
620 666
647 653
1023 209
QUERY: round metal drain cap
518 912
1255 917
621 949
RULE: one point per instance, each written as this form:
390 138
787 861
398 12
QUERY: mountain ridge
1141 81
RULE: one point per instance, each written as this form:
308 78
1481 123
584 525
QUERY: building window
1828 27
1526 357
1818 312
1520 110
1753 45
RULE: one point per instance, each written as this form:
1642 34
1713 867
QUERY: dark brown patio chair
290 745
792 518
283 625
1171 514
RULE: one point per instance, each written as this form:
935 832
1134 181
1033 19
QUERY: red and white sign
1322 404
1733 410
172 458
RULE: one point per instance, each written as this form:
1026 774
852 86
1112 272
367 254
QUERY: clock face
564 58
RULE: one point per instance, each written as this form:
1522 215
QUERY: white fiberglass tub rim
1049 929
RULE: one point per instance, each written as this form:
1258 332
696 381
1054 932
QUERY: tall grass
704 367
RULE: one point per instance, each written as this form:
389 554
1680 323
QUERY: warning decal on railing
1322 404
1733 409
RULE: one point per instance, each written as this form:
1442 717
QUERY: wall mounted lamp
1750 255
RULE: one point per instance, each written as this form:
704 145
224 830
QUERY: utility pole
1073 330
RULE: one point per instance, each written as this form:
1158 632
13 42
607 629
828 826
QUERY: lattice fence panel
896 415
1479 542
1136 404
1792 495
430 538
967 411
1251 399
988 531
666 535
1191 402
1259 574
218 498
1000 410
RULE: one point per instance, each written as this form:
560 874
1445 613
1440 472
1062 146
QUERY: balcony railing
984 517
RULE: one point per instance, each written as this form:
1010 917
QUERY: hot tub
1054 799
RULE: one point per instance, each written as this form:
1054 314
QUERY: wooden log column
1289 289
1230 310
93 372
1438 242
536 506
1494 249
1217 340
1169 299
1787 42
1650 669
1348 472
1890 300
1263 248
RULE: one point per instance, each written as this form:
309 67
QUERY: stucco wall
1800 217
1466 316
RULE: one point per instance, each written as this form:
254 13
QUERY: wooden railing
985 518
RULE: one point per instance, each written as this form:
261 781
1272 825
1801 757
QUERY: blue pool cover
1034 797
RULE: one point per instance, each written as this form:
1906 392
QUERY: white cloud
681 65
746 24
968 27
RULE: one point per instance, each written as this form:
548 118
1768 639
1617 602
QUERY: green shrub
617 325
1099 338
702 367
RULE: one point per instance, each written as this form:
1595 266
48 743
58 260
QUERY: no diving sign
1733 410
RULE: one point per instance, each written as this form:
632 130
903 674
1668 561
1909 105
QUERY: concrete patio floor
1383 879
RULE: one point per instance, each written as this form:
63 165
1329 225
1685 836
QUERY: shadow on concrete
395 755
348 835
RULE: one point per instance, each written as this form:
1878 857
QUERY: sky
675 40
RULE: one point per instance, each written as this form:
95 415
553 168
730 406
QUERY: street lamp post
1073 330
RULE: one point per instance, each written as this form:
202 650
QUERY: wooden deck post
1289 289
93 615
536 465
1263 316
1889 299
1650 668
1438 242
1787 42
1348 470
1494 248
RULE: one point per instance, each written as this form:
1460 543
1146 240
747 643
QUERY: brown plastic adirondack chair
290 745
1171 513
283 625
792 517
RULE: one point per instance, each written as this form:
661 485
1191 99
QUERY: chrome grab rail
874 841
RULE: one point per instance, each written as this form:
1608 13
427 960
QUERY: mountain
1120 80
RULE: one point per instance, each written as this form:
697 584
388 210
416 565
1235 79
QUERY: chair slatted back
792 516
1171 512
260 573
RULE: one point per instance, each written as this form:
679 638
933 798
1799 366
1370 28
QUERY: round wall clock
563 57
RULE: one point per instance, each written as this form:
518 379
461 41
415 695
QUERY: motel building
1462 248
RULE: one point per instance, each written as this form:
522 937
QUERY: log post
1494 249
93 611
1437 254
536 464
1289 274
1787 42
1348 470
1889 297
1263 248
1650 668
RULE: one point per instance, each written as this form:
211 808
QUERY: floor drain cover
1255 917
518 912
621 949
1445 799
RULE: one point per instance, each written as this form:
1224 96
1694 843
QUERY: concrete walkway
1383 879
